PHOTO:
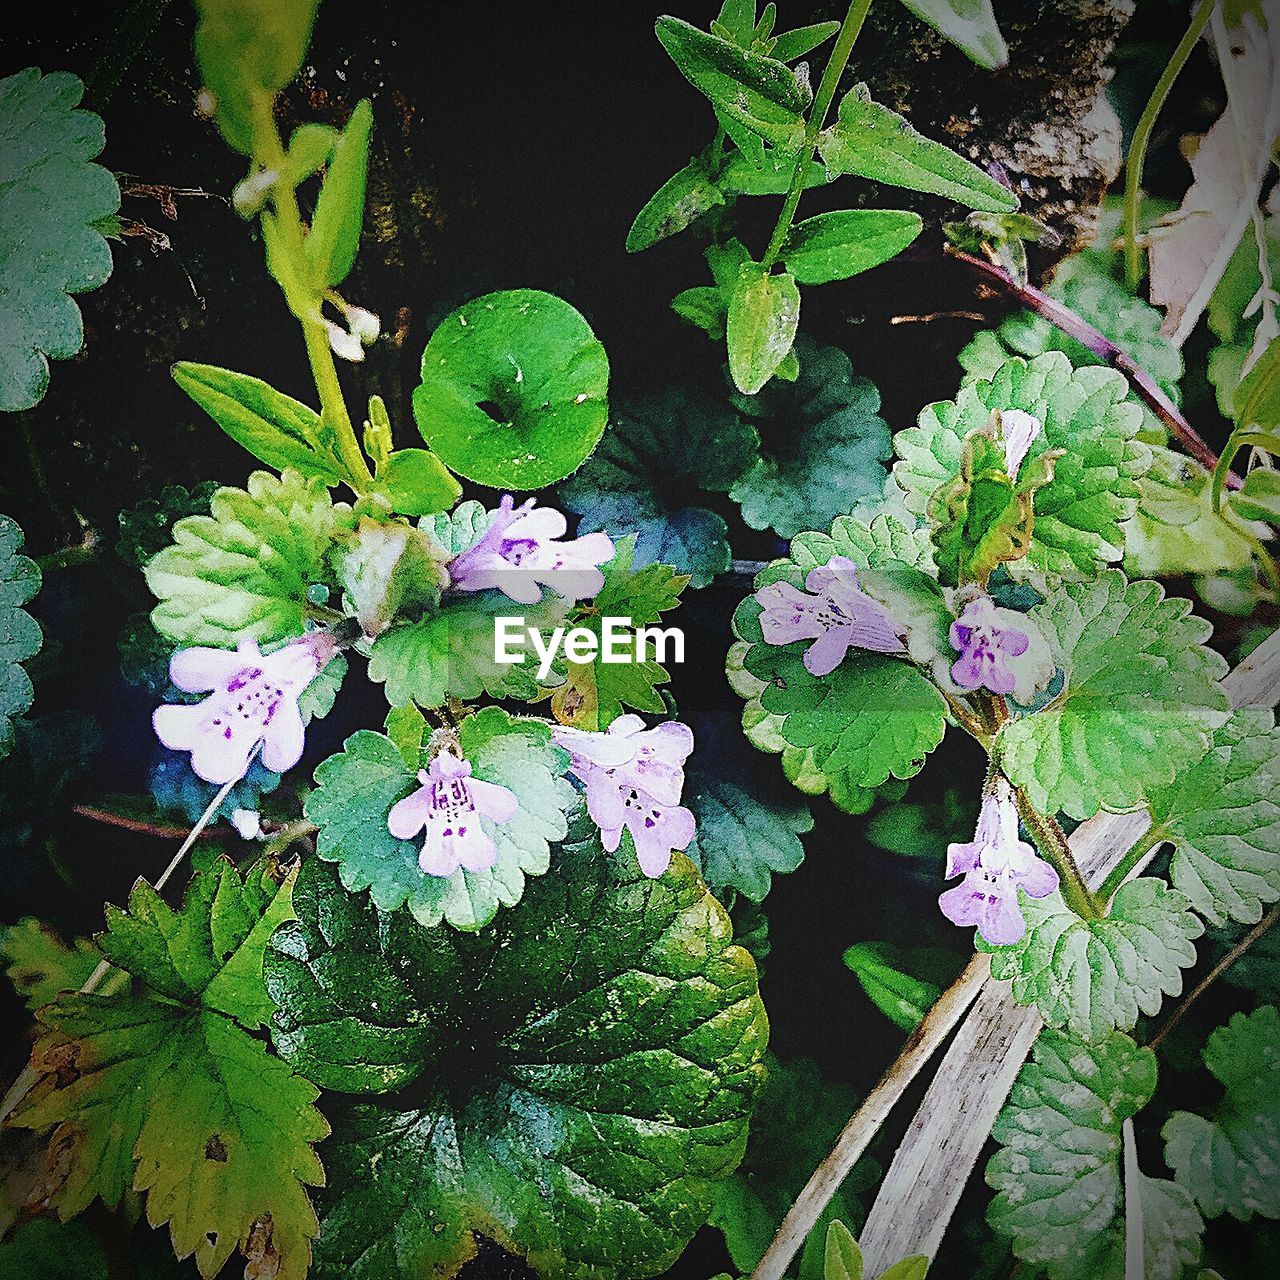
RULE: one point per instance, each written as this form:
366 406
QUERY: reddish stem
140 826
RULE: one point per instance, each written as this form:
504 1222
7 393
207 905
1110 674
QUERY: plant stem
1142 137
298 829
1053 845
1142 846
1215 973
849 31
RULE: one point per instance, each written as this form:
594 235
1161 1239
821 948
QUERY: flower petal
409 816
201 669
283 740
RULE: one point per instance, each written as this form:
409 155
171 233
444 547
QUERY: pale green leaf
40 965
970 25
764 311
680 201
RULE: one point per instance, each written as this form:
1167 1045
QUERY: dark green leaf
46 1249
334 238
903 999
681 200
20 636
834 246
764 311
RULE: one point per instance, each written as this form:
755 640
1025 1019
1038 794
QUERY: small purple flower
995 865
253 698
521 552
835 613
449 803
633 778
1019 429
985 648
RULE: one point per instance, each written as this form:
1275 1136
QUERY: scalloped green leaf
1228 1162
244 570
40 965
20 637
513 390
583 1070
356 789
1141 697
1085 412
50 247
1092 977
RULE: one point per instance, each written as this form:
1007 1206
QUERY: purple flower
1019 429
985 648
995 865
520 552
450 804
835 613
253 698
633 778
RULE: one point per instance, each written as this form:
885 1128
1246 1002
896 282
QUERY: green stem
1121 871
1142 137
293 831
1053 845
849 31
1266 561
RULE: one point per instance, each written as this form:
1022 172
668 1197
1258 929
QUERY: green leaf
334 238
276 429
248 50
1140 699
46 1249
742 842
244 570
1085 412
661 446
147 527
903 999
679 202
40 965
513 390
356 789
1223 819
794 44
50 245
843 1258
704 307
584 1070
798 1118
1259 498
873 142
416 483
167 1092
20 636
755 91
768 175
1227 1162
386 570
1057 1176
921 829
970 25
1257 398
764 311
1092 977
835 246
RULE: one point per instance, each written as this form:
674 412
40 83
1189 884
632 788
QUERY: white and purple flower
449 805
253 699
995 865
633 778
834 612
524 550
985 641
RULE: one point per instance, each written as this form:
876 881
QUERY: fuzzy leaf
584 1070
764 311
334 237
356 788
835 246
1088 414
970 25
1140 700
1228 1162
244 570
40 965
680 201
1092 977
513 390
20 636
50 246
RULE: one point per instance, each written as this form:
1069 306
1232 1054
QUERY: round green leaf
582 1071
513 390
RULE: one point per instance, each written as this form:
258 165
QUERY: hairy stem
1142 137
1053 846
1141 847
1215 973
849 31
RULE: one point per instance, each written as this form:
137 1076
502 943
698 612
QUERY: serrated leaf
334 238
754 91
1227 1163
824 445
513 390
50 242
356 789
1057 1177
1141 696
1092 977
20 637
680 201
276 429
146 528
1222 816
40 965
1088 414
742 842
764 311
585 1070
244 570
169 1094
835 246
656 447
872 141
970 25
